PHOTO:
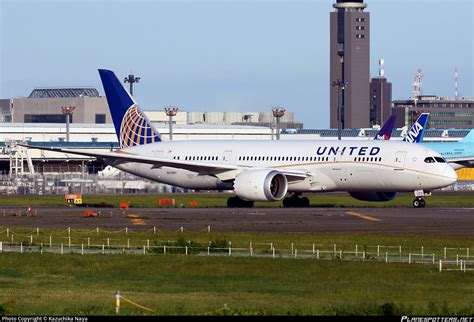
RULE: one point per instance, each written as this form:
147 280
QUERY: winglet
386 131
469 137
131 125
416 132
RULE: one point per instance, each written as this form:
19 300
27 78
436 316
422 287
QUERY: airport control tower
349 61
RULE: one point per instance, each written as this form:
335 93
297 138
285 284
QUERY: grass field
220 200
73 284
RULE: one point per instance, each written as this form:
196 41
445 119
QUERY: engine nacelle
373 195
261 185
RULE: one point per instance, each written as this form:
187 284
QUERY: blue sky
238 55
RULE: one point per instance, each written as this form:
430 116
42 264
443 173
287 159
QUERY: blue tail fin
386 131
469 138
131 125
416 132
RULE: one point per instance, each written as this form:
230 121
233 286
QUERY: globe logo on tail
136 130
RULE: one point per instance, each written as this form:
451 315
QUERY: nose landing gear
419 201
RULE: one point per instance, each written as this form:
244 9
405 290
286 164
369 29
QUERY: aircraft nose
450 175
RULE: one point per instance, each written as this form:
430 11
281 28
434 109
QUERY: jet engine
373 196
260 185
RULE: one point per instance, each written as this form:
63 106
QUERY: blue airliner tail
469 138
386 131
131 125
416 132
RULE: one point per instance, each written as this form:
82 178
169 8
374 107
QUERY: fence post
386 257
230 250
69 241
340 254
8 232
31 239
62 249
440 265
433 258
144 250
363 255
154 230
37 231
445 252
126 230
50 241
147 243
208 229
1 247
108 242
41 248
181 229
88 242
457 259
12 239
400 249
21 247
128 243
103 249
209 251
378 250
467 253
97 229
82 249
186 247
335 249
313 249
273 252
357 252
296 253
69 231
271 246
422 253
409 258
317 254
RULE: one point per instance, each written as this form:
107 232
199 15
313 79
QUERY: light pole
341 86
278 112
171 111
68 112
131 79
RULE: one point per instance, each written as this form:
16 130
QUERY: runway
456 222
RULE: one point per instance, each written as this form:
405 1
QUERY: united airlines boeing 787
267 171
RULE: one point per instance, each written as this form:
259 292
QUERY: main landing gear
419 201
236 202
296 201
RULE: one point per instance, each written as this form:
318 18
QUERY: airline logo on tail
415 134
131 125
386 131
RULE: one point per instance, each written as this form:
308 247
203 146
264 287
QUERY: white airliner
268 171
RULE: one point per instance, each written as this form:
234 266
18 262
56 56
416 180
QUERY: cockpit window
430 160
440 159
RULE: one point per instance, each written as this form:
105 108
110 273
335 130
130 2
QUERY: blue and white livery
269 170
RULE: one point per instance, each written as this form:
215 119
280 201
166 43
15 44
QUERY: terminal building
445 113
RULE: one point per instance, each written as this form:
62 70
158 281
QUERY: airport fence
127 242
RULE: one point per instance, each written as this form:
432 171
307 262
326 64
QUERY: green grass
178 285
73 284
220 200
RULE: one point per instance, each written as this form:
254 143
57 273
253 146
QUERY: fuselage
385 166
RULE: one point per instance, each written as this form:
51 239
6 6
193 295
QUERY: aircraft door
399 161
227 156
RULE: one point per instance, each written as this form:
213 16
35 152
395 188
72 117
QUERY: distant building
444 112
349 62
44 106
380 100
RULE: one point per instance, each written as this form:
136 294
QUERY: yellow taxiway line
356 214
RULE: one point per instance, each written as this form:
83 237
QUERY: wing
222 171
